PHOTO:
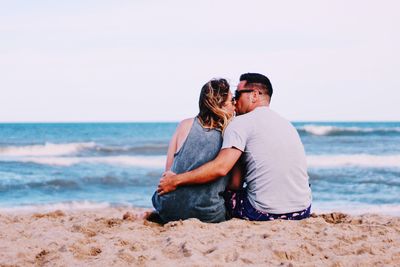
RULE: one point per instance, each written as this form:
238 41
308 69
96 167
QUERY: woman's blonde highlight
213 96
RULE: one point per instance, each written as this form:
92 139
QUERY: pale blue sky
147 60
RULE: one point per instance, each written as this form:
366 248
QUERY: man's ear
253 97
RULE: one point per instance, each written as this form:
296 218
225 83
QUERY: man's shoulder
240 125
271 116
238 121
247 118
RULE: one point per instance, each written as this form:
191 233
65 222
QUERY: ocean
354 167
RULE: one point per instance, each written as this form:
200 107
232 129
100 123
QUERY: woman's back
205 201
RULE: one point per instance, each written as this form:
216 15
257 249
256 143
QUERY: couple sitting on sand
251 166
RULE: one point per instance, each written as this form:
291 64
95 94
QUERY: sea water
353 166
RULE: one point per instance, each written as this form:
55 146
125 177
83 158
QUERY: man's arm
208 172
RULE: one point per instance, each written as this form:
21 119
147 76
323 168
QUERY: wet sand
120 237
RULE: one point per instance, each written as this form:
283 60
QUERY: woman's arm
171 151
177 140
236 182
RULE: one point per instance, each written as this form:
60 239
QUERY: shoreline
119 236
72 206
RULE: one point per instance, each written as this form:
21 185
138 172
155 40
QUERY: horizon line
154 121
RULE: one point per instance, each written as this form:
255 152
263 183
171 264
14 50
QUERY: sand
119 237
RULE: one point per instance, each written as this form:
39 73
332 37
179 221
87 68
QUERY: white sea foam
362 160
140 161
356 208
48 149
65 206
319 161
329 130
319 130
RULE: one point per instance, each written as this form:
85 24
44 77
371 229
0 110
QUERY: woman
195 142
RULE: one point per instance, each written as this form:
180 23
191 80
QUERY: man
271 152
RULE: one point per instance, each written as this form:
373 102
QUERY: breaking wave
333 161
145 161
51 149
65 206
362 160
322 130
48 149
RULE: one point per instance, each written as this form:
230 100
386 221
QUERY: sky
80 61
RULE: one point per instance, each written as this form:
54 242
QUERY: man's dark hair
257 79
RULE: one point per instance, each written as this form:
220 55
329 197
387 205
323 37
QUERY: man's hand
168 173
167 183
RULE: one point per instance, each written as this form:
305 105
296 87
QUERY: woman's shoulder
185 124
183 129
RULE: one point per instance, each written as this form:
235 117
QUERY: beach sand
119 237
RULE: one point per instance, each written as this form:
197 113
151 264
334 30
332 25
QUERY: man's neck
261 104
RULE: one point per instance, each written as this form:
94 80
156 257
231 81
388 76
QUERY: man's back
274 159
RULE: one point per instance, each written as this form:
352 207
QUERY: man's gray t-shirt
274 160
